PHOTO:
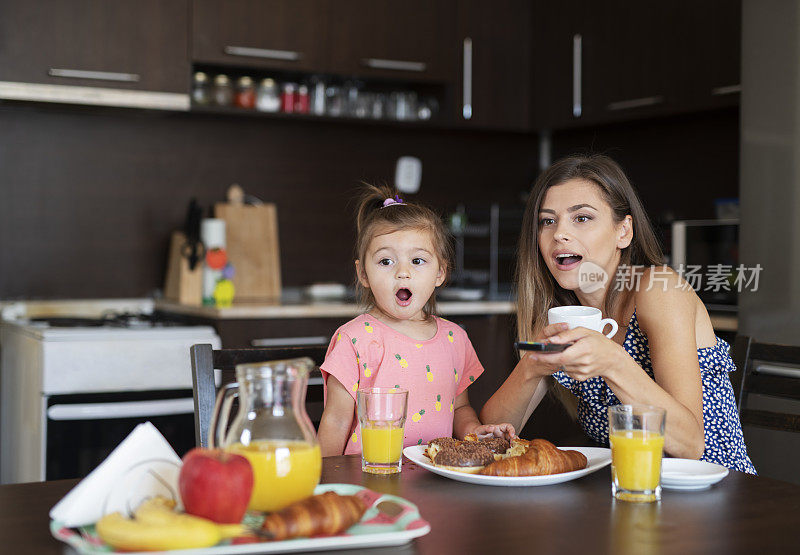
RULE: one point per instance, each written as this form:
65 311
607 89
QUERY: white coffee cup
581 317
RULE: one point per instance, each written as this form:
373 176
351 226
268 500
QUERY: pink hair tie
391 201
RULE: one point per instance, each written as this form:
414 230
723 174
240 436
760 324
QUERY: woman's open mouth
403 297
567 261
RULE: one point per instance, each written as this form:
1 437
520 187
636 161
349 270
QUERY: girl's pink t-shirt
367 353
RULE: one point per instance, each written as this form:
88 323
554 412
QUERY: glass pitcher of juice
272 430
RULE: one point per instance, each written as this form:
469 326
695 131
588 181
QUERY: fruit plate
596 457
376 528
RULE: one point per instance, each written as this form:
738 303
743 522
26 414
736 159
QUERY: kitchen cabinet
616 60
275 34
493 88
140 45
410 40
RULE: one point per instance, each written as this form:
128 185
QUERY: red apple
216 485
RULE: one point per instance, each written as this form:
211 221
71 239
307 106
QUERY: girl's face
402 270
576 225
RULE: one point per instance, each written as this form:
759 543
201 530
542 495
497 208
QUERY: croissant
539 459
326 514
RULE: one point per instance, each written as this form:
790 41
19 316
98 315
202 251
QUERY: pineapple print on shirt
368 327
450 336
403 362
367 370
417 416
428 373
437 406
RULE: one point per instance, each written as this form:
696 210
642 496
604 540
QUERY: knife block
182 285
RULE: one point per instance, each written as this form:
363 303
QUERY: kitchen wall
88 196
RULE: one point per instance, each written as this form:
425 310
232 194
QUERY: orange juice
283 472
382 444
636 459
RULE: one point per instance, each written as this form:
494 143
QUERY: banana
157 527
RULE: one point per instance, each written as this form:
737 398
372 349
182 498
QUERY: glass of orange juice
382 417
636 434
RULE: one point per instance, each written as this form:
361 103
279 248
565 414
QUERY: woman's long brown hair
536 289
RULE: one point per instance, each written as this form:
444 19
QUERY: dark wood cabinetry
410 40
493 89
274 34
598 62
125 44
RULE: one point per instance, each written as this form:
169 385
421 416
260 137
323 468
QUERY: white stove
71 388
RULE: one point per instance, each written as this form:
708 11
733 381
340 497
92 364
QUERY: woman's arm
667 315
522 391
336 419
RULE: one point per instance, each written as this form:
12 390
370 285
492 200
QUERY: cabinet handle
98 75
266 53
577 71
730 89
398 65
467 87
635 103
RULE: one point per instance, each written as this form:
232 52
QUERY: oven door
83 429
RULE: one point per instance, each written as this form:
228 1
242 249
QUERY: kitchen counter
721 322
319 309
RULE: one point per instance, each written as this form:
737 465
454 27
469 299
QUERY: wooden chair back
766 369
205 360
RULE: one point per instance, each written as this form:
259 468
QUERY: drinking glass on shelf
636 434
382 417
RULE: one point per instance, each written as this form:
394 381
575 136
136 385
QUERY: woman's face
576 225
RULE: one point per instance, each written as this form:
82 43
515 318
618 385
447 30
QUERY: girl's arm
336 419
522 391
465 421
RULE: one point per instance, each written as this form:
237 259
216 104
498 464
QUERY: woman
584 210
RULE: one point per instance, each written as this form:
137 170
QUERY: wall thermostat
408 174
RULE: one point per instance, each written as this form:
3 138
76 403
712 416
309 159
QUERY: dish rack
485 249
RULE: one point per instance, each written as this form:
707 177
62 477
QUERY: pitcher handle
222 409
614 326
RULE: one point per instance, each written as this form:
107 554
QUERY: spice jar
301 100
223 91
201 89
267 97
287 97
245 96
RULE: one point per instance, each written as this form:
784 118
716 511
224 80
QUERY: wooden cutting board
251 235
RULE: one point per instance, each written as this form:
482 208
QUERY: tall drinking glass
382 416
636 434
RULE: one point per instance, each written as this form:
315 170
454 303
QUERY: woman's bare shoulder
663 296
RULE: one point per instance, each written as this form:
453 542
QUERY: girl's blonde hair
536 288
373 218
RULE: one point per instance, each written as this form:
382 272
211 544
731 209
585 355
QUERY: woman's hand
591 354
505 430
539 367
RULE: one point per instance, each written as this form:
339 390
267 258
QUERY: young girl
583 210
402 255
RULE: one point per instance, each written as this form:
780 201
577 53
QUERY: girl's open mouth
568 261
403 297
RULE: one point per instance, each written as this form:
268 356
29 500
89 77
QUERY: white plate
687 474
597 458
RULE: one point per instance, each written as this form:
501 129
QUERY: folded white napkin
142 466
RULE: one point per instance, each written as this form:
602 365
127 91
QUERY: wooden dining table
740 514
